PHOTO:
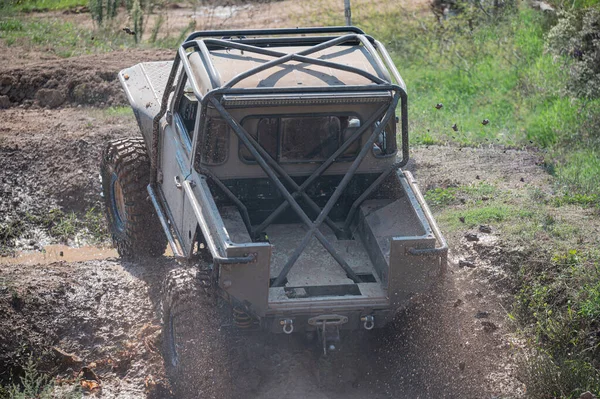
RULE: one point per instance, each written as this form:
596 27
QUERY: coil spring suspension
241 319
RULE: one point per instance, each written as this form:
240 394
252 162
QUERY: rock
482 315
488 326
542 6
4 102
461 366
462 219
471 237
484 228
587 395
68 359
6 83
458 303
465 263
50 98
86 373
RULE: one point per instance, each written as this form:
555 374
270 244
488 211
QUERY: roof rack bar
291 41
300 56
271 32
367 44
212 72
390 64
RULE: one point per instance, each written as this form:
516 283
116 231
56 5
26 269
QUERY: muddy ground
104 314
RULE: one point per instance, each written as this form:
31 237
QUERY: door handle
178 182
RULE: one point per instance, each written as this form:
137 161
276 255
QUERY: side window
186 108
214 146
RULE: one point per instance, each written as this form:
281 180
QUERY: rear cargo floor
315 266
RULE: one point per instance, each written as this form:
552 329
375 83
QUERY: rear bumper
302 322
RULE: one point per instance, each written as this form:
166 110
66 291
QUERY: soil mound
86 80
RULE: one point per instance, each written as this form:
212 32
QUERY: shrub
577 36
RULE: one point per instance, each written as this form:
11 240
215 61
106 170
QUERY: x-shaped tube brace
313 230
256 150
320 170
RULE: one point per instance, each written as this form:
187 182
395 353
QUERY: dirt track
101 310
106 311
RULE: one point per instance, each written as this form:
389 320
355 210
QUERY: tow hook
328 328
288 325
368 322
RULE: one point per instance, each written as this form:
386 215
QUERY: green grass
61 38
560 299
118 111
499 71
36 384
40 5
475 193
66 39
89 227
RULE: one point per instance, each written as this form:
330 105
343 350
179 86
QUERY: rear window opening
301 138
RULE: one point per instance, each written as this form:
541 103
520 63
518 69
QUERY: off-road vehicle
269 159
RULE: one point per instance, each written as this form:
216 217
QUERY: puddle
57 253
64 253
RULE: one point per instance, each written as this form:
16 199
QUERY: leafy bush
33 384
577 36
559 301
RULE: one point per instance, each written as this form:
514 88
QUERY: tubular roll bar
274 32
204 41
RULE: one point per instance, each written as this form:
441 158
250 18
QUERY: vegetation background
508 75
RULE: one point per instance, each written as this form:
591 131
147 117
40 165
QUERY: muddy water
57 253
64 253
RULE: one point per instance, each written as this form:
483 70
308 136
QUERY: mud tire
132 222
194 344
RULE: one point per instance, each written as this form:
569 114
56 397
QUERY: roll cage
265 42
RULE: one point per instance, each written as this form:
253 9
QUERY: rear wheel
132 221
195 346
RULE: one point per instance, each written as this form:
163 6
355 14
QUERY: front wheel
132 221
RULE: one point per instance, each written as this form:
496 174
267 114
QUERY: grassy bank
41 5
497 69
482 65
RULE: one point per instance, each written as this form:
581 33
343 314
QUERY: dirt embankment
88 80
50 162
97 314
